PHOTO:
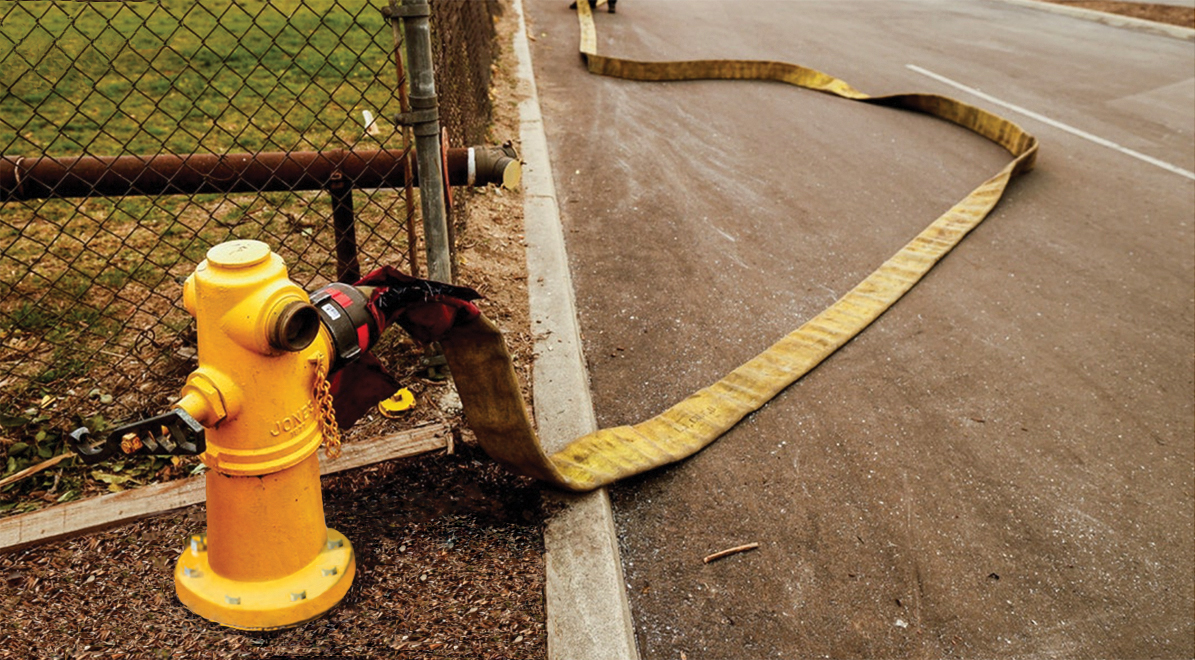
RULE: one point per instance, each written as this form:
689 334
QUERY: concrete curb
589 617
1115 20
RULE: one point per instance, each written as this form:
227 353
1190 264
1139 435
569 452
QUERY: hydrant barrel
287 512
268 559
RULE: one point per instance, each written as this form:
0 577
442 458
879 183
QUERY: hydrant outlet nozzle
294 328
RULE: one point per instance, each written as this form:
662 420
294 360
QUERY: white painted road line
1055 123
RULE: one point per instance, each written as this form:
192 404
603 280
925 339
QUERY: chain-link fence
462 47
135 135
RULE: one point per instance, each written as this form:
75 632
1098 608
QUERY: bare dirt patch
1180 16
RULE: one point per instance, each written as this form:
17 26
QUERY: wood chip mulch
449 560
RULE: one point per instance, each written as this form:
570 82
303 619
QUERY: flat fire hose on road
486 380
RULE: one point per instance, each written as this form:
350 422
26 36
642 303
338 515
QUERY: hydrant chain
326 414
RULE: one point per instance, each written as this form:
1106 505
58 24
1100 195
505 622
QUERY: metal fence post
344 226
424 117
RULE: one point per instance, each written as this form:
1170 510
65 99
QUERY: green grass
83 278
114 77
90 296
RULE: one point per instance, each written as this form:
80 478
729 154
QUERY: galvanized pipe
424 118
190 174
408 140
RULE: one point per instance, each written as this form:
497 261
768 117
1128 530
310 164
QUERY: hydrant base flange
271 604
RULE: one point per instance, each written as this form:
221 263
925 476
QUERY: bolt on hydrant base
282 603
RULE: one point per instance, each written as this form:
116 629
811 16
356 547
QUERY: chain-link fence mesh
462 47
99 221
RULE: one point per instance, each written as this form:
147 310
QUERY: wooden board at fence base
485 377
75 518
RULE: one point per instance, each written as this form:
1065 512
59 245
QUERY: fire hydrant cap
238 254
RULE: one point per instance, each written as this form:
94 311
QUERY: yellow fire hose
486 379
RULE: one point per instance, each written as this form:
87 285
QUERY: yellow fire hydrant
268 560
257 409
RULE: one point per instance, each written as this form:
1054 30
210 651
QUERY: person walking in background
593 4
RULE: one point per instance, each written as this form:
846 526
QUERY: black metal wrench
175 433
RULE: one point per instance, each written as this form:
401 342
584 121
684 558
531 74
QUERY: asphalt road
1002 465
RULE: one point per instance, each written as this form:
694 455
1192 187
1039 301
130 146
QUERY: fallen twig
730 551
29 471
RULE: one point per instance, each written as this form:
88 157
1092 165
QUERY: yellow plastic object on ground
267 560
398 403
487 383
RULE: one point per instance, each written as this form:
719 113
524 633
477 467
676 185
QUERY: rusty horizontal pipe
191 174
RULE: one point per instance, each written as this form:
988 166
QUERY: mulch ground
449 559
